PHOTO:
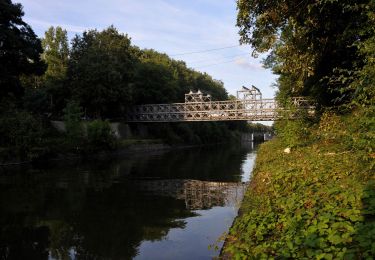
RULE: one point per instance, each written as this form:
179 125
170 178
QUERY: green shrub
72 119
317 202
100 135
20 131
293 132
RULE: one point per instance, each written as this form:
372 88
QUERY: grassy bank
317 201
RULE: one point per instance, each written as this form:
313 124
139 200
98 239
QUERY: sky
174 27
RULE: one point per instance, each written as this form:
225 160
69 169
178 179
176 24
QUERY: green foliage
154 83
36 100
107 75
158 79
56 53
315 202
100 70
20 50
99 134
258 127
316 46
356 132
364 79
20 132
294 132
72 120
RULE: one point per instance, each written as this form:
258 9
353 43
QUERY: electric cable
232 56
209 65
208 50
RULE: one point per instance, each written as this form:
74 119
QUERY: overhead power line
208 50
226 57
213 64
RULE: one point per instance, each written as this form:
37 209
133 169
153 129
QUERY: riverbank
315 200
54 140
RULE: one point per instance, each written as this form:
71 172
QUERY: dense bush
100 135
72 120
315 202
20 132
293 133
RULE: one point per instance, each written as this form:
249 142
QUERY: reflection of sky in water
247 166
201 233
193 241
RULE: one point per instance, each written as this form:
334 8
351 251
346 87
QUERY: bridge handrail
237 109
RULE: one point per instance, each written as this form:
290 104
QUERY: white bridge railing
195 109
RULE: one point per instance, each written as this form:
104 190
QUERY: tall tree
100 70
56 55
20 50
56 52
313 43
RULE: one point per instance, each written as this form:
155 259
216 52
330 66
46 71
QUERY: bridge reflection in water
197 194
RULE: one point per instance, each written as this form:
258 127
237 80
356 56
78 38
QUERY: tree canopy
20 49
100 70
106 74
56 52
314 45
160 79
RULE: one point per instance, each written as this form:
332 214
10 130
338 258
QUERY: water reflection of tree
207 163
97 211
106 223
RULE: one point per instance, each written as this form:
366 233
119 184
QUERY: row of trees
101 70
106 74
98 75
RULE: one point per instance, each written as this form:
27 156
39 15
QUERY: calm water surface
166 205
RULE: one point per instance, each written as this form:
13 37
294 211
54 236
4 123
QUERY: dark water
171 205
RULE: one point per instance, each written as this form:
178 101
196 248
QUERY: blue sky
169 26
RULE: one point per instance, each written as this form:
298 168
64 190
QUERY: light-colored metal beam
259 110
249 106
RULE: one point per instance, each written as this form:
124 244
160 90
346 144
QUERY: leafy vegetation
99 134
20 51
20 134
316 201
100 71
316 47
72 120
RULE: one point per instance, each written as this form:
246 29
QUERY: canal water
162 205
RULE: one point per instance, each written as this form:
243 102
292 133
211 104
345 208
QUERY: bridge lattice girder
251 110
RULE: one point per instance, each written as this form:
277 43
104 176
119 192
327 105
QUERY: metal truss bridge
249 105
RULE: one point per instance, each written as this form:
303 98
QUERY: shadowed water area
162 205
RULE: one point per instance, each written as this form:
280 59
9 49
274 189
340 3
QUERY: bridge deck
251 110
